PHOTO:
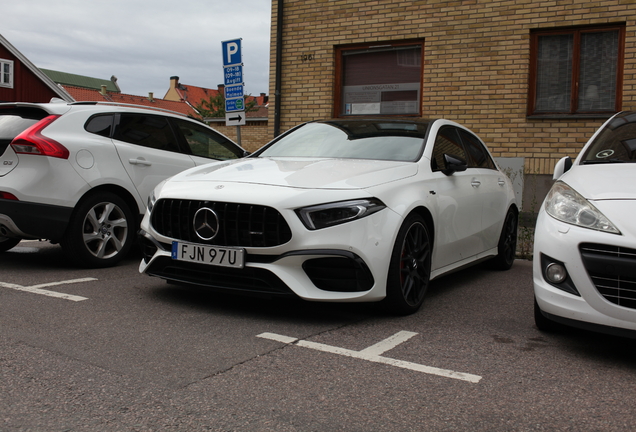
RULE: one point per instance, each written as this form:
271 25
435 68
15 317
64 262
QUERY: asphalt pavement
113 350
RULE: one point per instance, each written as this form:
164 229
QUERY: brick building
533 78
253 135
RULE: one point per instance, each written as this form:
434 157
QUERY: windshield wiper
604 161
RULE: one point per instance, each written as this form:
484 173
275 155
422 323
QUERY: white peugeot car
80 174
585 237
337 210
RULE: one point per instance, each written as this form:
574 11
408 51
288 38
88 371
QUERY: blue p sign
231 52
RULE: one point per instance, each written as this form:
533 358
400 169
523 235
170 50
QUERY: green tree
214 106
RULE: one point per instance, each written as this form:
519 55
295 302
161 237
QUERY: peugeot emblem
206 223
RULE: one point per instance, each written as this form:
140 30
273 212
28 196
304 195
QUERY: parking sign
233 79
231 52
233 91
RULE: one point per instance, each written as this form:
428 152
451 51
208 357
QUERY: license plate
210 255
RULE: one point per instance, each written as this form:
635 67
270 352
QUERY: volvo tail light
31 141
8 196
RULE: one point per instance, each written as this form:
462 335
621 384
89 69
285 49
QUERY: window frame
576 33
221 141
438 150
173 146
472 141
379 45
465 140
89 126
11 73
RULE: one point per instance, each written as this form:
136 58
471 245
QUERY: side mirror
561 167
453 164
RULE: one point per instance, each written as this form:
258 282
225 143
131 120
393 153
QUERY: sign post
234 84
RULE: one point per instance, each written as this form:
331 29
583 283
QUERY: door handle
139 162
501 182
475 183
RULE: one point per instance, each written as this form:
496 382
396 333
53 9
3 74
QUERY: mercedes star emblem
206 223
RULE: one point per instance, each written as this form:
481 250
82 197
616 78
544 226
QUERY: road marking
37 289
388 343
373 352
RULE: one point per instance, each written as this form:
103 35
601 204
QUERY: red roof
190 97
195 95
89 95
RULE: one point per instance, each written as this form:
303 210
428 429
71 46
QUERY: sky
142 42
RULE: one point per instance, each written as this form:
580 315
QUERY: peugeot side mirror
561 167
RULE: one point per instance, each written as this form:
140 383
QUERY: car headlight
565 204
326 215
152 198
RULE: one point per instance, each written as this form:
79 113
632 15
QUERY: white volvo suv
80 174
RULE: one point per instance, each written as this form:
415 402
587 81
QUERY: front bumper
332 271
603 282
348 262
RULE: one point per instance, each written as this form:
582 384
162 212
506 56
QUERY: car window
150 131
616 143
446 142
206 143
478 156
100 125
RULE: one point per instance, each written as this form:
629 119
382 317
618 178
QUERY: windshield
616 143
354 139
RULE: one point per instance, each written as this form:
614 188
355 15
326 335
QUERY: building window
379 79
6 73
576 71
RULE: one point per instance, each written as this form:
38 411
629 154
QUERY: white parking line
37 289
373 352
388 343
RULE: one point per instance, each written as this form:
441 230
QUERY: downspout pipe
279 61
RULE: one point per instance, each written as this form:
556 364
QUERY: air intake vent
613 272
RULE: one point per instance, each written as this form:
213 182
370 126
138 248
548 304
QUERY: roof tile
88 95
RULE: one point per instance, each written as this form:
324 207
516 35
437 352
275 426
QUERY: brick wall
476 59
254 135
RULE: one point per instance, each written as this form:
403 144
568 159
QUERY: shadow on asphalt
263 307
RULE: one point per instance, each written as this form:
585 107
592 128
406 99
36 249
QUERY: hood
603 182
302 173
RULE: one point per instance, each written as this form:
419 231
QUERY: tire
100 232
507 246
544 324
410 267
7 243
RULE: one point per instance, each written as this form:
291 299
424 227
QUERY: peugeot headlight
326 215
567 205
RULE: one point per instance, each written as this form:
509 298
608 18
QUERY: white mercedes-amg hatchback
337 210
